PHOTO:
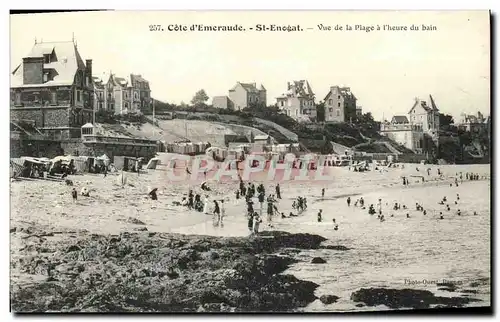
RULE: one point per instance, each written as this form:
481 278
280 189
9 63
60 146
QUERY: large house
473 123
53 88
242 95
415 130
401 131
298 101
426 114
340 105
129 94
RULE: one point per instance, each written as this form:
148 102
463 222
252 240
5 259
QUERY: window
45 77
330 102
338 112
338 104
78 96
282 103
296 112
330 109
18 99
53 98
136 96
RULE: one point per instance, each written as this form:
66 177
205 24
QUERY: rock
141 229
335 247
359 305
13 230
406 298
328 299
73 248
135 221
318 260
470 291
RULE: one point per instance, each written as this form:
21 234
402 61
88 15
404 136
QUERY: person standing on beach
348 201
320 213
270 209
205 205
323 193
222 213
261 201
250 222
74 194
216 218
379 206
190 200
256 223
278 191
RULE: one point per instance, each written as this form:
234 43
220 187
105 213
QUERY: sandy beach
420 252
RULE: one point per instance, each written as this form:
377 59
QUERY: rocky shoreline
157 272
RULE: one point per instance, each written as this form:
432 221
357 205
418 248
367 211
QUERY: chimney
33 70
88 70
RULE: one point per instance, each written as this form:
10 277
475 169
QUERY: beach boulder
328 299
318 260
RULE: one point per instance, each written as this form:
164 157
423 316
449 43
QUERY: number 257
155 28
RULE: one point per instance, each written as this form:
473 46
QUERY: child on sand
74 194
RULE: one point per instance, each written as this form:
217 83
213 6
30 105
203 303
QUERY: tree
200 98
445 120
320 112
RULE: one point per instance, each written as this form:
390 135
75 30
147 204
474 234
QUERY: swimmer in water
475 213
458 212
333 220
336 227
407 215
441 215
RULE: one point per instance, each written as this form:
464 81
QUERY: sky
385 70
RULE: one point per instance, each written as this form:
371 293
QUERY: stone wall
51 149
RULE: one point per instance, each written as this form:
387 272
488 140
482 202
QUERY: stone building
53 88
401 131
242 95
128 95
298 101
340 105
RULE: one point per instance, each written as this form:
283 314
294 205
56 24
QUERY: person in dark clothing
250 209
250 221
320 213
278 191
74 194
348 201
361 202
153 194
322 193
190 200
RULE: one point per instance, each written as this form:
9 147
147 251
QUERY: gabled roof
423 104
134 79
344 91
67 64
399 119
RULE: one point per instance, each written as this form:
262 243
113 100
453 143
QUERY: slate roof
67 64
399 119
